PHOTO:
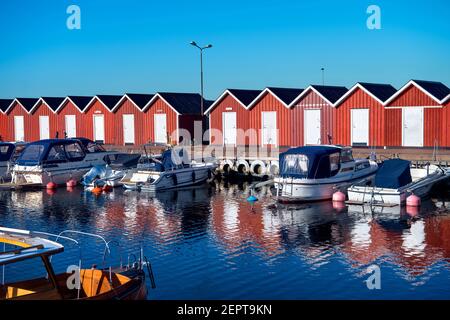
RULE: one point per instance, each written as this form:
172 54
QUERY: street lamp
193 43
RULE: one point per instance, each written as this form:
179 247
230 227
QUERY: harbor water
209 242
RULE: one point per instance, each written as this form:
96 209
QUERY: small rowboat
123 283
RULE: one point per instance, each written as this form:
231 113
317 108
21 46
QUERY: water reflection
207 228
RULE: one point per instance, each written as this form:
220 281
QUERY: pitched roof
183 103
27 103
80 101
4 104
437 89
245 96
287 95
139 99
109 100
379 90
53 102
331 93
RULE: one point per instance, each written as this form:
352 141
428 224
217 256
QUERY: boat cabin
51 151
318 162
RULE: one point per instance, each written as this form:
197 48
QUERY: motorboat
314 173
9 152
58 161
395 181
173 169
112 173
126 282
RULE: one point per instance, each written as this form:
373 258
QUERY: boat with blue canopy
313 173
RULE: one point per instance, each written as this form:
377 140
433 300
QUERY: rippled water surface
210 243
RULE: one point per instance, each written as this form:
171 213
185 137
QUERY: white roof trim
41 99
218 100
12 103
64 102
88 106
406 86
266 90
350 91
305 92
125 96
157 95
445 99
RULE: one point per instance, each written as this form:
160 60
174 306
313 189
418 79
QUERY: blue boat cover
310 162
174 158
393 173
6 151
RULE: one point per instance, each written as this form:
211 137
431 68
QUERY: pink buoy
339 196
339 206
412 211
413 201
71 183
51 185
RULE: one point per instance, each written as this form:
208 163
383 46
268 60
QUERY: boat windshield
6 151
93 147
33 153
295 164
346 155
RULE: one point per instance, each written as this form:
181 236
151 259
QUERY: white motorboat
314 173
395 181
58 161
9 152
174 170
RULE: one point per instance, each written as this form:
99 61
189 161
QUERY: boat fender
413 201
51 185
258 167
71 183
107 188
339 196
97 190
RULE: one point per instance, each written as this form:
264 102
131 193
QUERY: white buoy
258 167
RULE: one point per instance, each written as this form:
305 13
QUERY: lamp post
193 43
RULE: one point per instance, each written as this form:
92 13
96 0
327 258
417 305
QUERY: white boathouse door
360 127
160 121
229 128
412 127
312 126
19 128
269 127
44 127
71 126
128 128
99 128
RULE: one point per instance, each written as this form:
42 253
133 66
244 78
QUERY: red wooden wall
229 104
29 124
127 107
42 109
311 101
446 124
342 118
4 126
88 121
269 103
70 109
414 97
159 106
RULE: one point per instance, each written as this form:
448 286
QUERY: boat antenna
323 75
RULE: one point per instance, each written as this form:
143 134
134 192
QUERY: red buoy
71 183
51 185
107 188
339 206
413 201
339 196
412 211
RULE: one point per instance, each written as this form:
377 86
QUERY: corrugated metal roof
140 99
435 88
245 96
5 103
287 95
53 102
27 103
331 93
379 90
109 100
184 103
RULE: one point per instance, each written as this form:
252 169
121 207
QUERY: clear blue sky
143 46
